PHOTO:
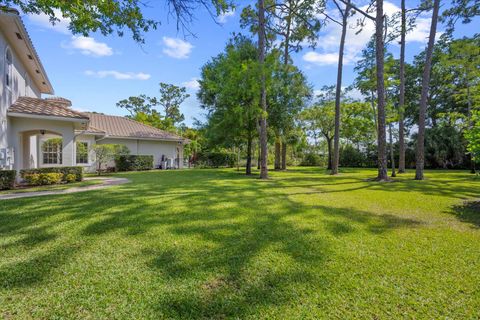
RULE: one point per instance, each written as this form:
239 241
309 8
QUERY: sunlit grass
218 244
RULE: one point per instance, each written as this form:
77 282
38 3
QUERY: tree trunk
338 91
372 100
392 153
330 157
286 56
420 161
401 105
284 155
263 91
379 52
469 117
248 168
278 155
258 156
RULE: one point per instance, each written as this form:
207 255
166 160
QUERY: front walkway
106 183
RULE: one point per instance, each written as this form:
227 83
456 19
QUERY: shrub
41 179
63 171
134 162
217 159
7 179
32 179
70 178
351 157
50 178
312 159
104 153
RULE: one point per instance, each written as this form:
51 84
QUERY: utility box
6 157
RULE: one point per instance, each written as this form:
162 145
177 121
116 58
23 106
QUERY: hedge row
217 159
67 173
7 179
134 162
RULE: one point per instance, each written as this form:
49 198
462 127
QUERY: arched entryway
41 148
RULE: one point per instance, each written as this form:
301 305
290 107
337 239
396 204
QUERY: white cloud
89 46
43 20
224 16
324 59
192 84
118 75
177 48
328 41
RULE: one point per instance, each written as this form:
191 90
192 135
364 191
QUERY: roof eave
148 138
29 43
45 117
46 88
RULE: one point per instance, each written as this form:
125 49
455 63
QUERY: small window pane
82 152
52 151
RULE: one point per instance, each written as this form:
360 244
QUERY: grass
55 187
216 244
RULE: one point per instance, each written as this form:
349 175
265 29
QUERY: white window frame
88 153
42 163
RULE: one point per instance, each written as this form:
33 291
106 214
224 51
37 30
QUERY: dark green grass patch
217 244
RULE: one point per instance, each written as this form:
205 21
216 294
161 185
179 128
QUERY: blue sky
96 71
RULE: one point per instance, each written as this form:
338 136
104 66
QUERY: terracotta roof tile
116 126
43 107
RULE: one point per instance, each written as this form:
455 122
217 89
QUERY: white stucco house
44 132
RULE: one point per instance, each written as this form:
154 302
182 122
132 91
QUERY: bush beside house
53 175
7 179
134 162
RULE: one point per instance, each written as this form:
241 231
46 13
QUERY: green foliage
293 22
7 179
473 136
114 16
105 153
171 97
134 162
352 157
64 172
88 16
444 147
142 107
217 159
287 94
69 178
196 141
42 179
229 91
313 159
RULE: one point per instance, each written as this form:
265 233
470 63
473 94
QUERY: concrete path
106 183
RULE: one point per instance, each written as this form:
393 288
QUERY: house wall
147 147
21 86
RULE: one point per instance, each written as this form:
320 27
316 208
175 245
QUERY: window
82 152
52 151
8 68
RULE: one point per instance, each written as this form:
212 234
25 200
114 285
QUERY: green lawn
217 244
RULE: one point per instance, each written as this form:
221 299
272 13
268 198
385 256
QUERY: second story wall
13 71
20 84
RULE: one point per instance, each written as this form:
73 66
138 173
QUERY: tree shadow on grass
469 212
238 246
35 268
